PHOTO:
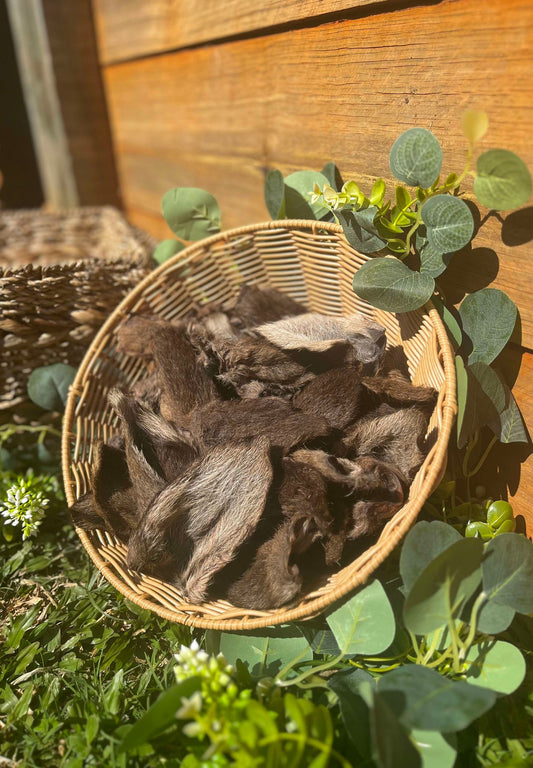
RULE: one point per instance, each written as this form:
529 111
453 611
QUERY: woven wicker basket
60 274
314 264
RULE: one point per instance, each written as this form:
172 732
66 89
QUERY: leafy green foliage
390 285
365 623
488 318
503 181
496 665
191 213
423 699
76 659
360 231
48 385
421 546
166 249
264 655
443 587
449 223
508 572
416 157
297 204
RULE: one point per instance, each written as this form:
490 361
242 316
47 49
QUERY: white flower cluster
24 506
193 661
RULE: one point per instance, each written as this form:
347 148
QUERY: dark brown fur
336 395
275 576
225 421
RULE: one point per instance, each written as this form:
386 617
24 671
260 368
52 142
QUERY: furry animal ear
113 496
144 468
184 382
134 335
224 421
396 437
355 337
336 395
85 516
275 575
255 306
397 390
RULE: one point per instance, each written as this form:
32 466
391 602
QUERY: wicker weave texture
313 263
60 275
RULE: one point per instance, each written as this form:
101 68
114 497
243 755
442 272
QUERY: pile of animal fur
261 451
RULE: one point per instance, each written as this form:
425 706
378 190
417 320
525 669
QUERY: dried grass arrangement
312 263
59 275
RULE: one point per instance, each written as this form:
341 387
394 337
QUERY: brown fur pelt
221 422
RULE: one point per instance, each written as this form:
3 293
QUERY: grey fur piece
196 524
398 391
360 338
396 437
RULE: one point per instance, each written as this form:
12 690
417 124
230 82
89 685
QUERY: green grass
78 662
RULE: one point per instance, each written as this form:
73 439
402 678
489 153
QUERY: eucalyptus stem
308 673
324 748
478 604
483 458
416 647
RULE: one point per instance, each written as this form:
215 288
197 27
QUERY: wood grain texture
132 28
218 117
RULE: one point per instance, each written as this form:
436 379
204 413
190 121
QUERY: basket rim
313 607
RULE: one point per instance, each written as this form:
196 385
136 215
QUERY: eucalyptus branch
308 673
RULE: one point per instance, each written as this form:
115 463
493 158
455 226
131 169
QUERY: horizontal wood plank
132 28
218 117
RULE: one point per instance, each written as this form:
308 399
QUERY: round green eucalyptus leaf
437 751
274 193
388 284
449 223
503 181
424 542
488 317
496 665
443 587
416 157
360 231
191 213
365 623
166 249
392 747
265 654
494 618
422 698
508 571
298 204
48 385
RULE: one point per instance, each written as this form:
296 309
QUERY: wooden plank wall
214 94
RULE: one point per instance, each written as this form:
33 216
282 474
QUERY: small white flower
190 706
